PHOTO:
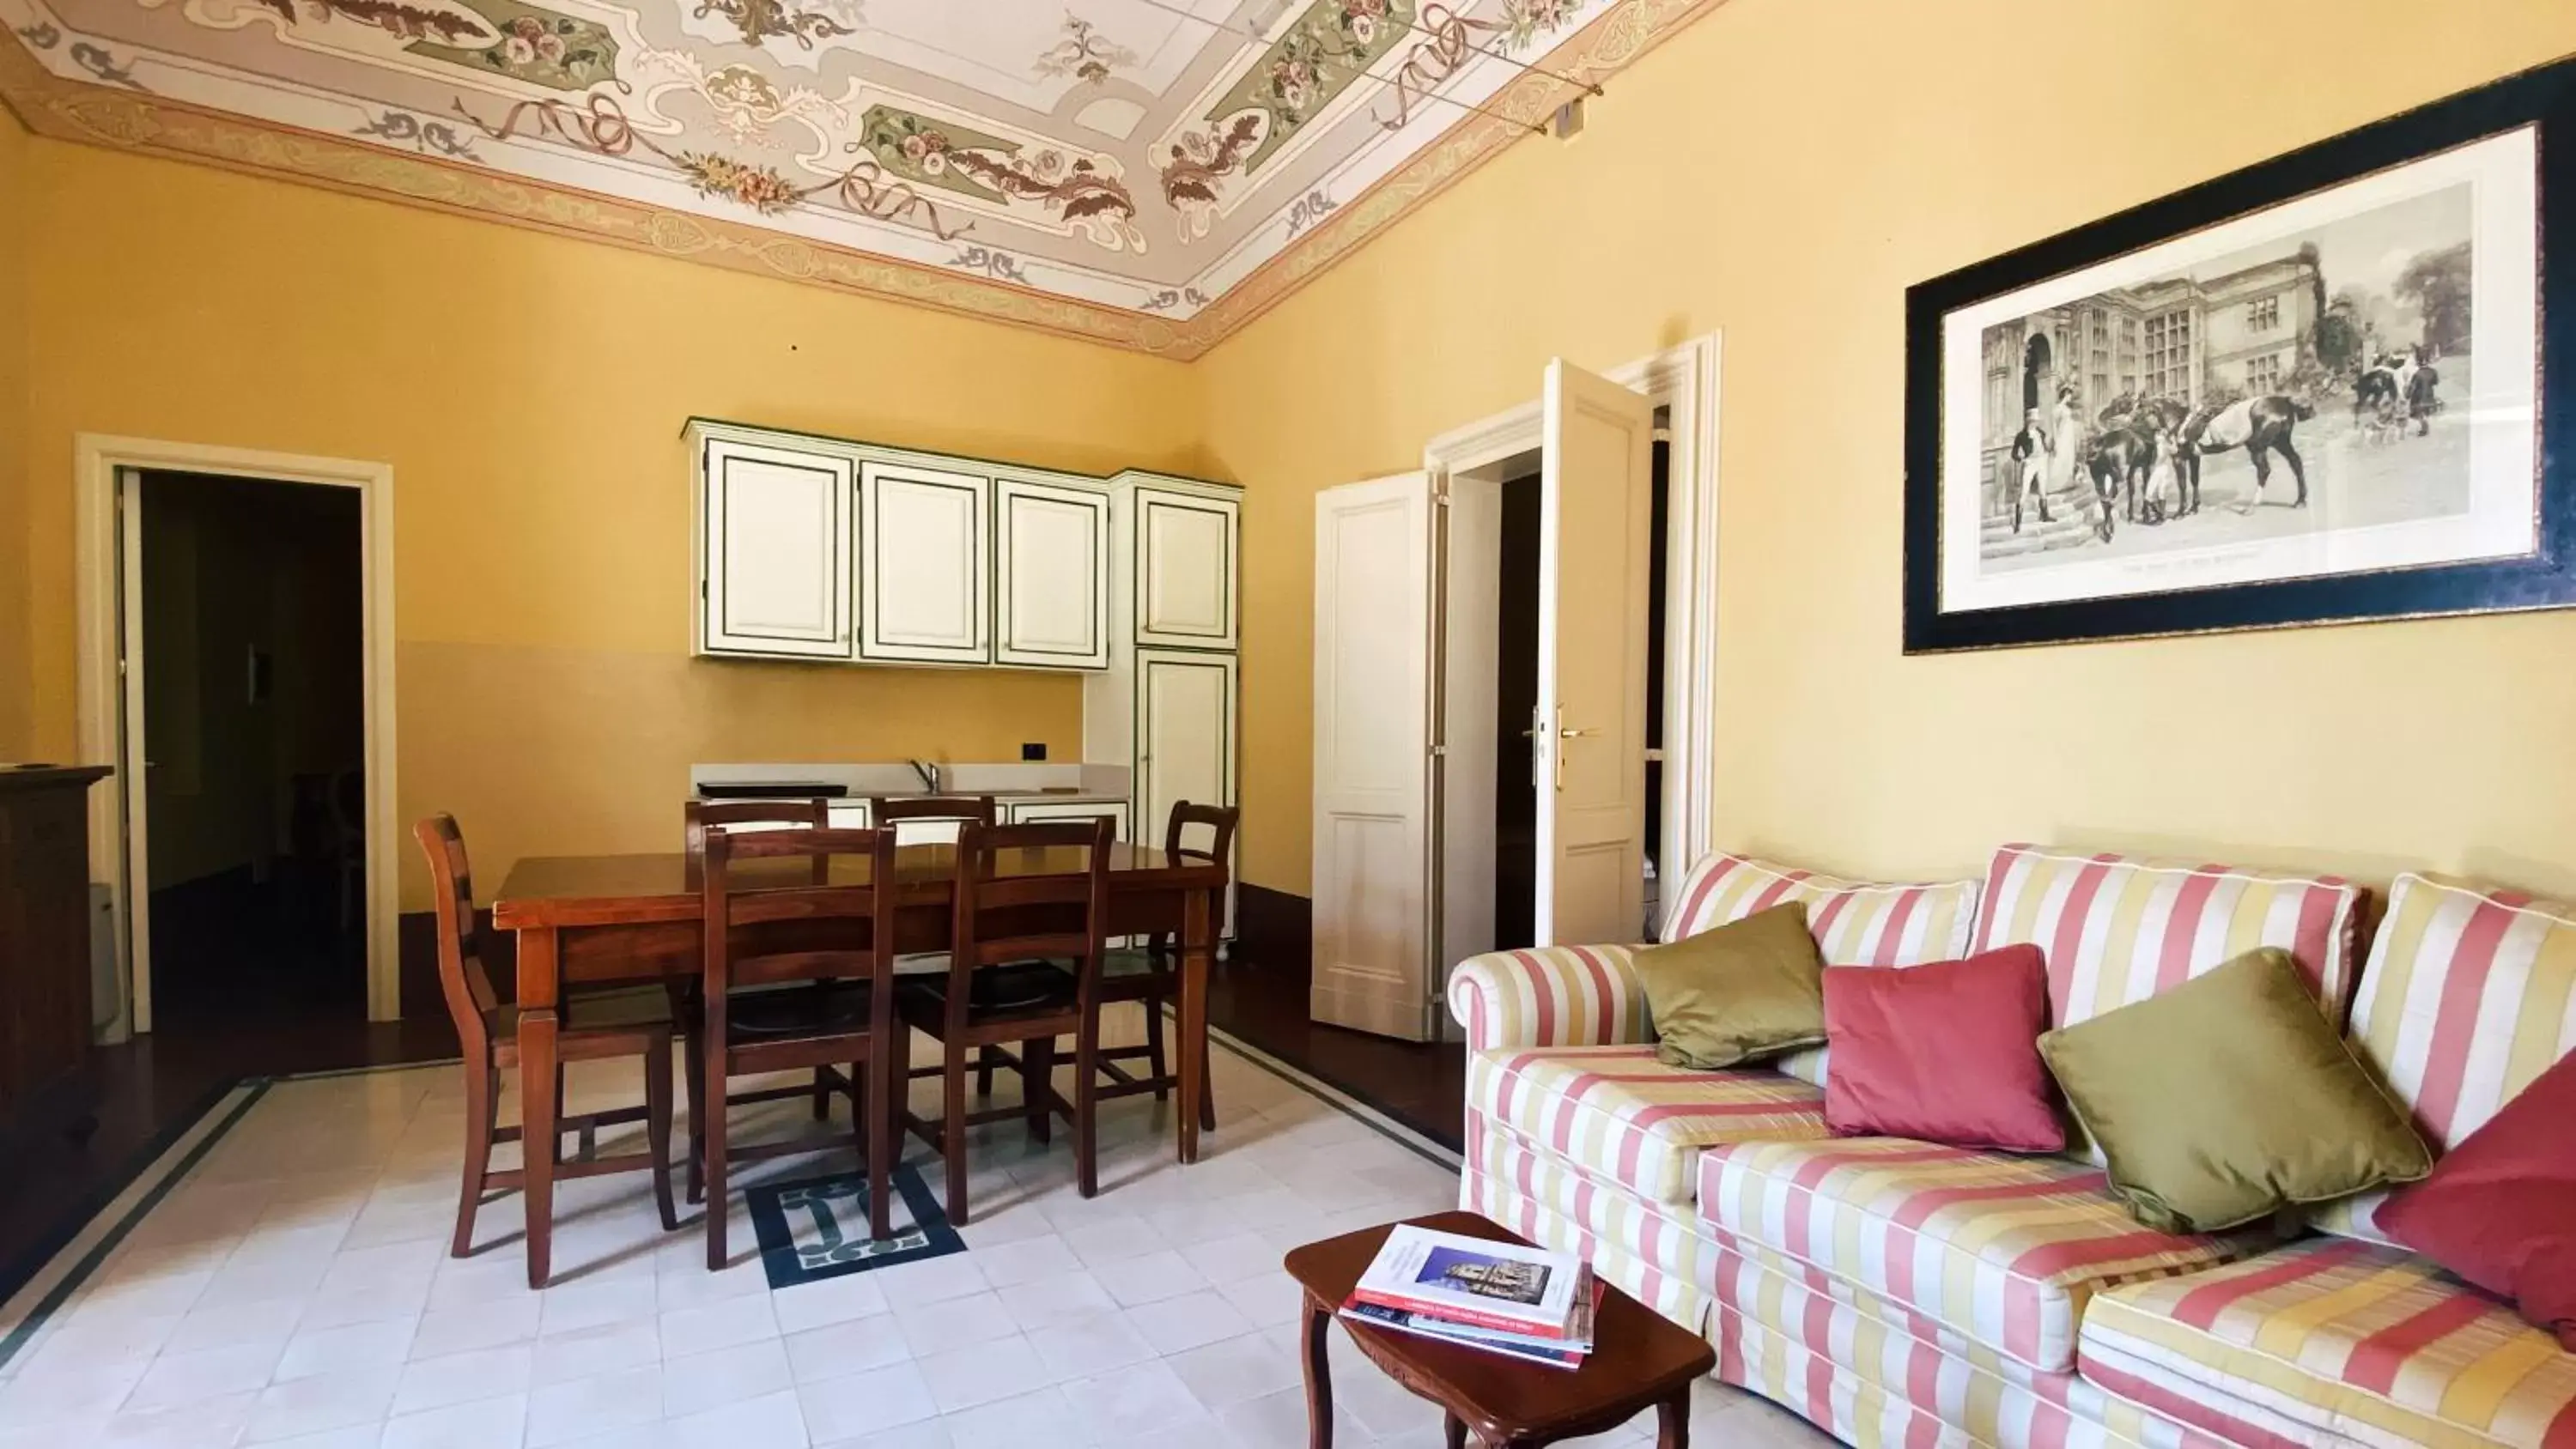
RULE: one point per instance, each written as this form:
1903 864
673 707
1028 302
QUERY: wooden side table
1640 1360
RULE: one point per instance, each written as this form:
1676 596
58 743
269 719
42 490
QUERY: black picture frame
2543 98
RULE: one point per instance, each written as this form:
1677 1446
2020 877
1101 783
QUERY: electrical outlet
1032 752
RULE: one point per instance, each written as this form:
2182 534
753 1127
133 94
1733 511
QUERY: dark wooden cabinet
44 945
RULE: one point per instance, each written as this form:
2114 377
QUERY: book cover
1474 1281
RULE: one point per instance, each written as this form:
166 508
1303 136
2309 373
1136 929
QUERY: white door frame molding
1684 381
117 825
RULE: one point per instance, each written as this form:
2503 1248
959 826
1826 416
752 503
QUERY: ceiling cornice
104 115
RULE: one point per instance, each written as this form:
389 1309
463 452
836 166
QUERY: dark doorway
254 726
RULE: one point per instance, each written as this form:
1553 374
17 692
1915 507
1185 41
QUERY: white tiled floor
294 1289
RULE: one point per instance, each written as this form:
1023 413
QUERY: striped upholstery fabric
2469 994
1618 1112
1614 1257
1855 923
2118 930
2004 1250
2340 1341
1876 1382
1670 1253
1550 996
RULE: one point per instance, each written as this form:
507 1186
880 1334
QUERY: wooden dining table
601 919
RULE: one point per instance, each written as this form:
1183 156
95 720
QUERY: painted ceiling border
101 115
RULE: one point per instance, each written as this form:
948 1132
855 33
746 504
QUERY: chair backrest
760 931
462 979
1031 892
964 809
704 815
1220 820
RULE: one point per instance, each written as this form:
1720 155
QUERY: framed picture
2312 391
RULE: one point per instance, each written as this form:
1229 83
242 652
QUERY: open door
1374 547
1596 486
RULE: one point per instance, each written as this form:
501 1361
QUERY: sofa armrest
1551 996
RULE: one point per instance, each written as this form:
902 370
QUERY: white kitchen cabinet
1185 732
1186 568
924 544
1029 812
1050 575
774 556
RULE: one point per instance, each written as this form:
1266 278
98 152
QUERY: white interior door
133 778
1596 488
1372 837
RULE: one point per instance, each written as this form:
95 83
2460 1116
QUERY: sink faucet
929 773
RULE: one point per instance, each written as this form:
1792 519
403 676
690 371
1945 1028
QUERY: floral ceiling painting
1147 172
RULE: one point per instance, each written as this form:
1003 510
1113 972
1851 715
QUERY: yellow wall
17 690
528 392
1781 172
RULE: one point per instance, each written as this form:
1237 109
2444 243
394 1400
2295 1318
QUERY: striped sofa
1901 1293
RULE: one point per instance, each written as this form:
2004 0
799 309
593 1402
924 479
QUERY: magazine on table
1476 1281
1567 1352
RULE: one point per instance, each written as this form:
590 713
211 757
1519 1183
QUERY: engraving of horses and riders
2155 462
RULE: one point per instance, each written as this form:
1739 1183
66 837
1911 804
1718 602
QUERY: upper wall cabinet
1050 575
774 559
924 541
1185 569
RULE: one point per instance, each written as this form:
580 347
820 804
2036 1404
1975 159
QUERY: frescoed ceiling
1145 171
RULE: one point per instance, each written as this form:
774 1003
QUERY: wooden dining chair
597 1024
884 810
1032 900
1152 976
760 932
699 817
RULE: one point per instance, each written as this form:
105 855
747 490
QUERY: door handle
1575 734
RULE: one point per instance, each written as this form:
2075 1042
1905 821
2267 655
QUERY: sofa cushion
1619 1112
1948 1051
1743 992
2005 1250
2228 1098
2118 930
2334 1338
2469 996
1855 923
2500 1210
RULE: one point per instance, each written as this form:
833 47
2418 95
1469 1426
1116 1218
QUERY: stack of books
1502 1298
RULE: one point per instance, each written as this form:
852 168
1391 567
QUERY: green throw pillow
1751 989
2230 1097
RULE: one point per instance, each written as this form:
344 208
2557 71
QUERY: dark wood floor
1264 1003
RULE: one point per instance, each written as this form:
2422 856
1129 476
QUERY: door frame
1684 380
110 656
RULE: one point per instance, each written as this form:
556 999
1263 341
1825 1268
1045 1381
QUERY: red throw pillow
1946 1052
2500 1209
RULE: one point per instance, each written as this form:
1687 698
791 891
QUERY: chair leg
556 1145
1207 1096
882 1133
822 1094
1037 1086
711 1140
481 1089
1086 1106
1154 1047
985 1057
695 1066
952 1133
657 1127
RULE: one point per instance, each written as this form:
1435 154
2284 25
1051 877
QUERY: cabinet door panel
922 583
777 555
1051 569
1185 570
1023 812
1184 733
